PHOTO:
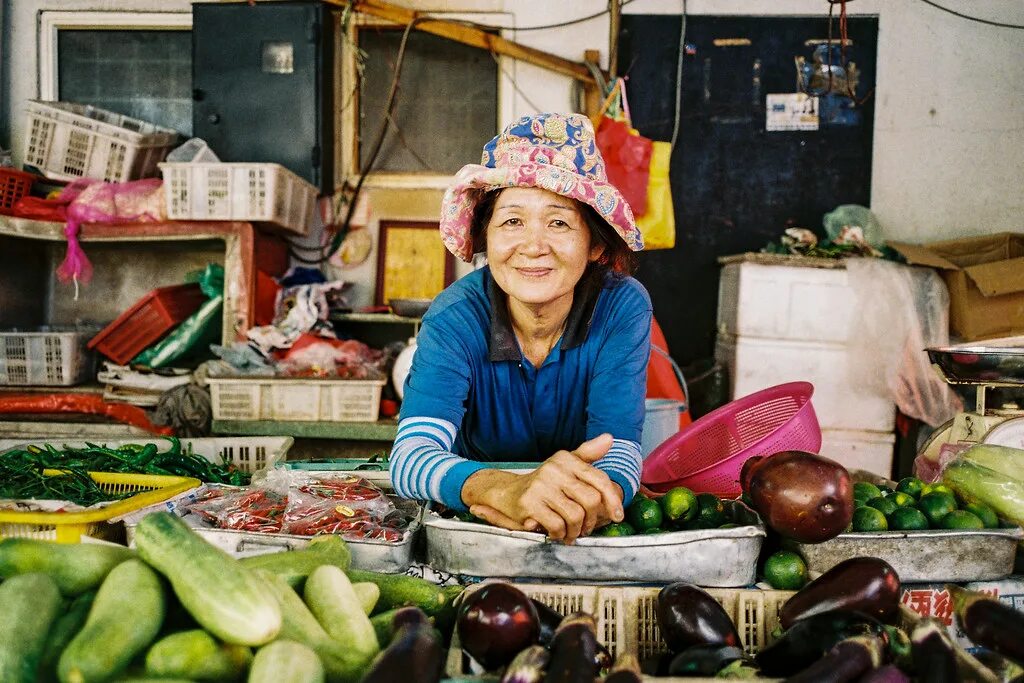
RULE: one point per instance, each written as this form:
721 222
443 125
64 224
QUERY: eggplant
934 652
416 655
810 638
1005 669
703 660
860 584
495 623
689 616
890 673
528 666
848 660
989 623
626 669
574 651
549 620
657 665
800 495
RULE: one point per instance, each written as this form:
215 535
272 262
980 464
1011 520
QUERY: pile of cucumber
178 608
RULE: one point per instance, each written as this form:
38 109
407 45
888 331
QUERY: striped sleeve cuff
622 464
423 466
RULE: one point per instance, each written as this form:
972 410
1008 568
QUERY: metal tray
719 558
924 556
996 361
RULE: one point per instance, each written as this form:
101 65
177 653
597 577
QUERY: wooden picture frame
412 262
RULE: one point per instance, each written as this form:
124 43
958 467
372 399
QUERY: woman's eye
512 222
559 224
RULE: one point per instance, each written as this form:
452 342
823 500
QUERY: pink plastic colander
708 455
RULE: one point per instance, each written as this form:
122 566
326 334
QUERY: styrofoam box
785 302
756 364
860 449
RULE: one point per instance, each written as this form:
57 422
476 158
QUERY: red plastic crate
152 316
14 185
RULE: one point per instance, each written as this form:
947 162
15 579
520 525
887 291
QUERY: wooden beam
469 35
613 39
592 95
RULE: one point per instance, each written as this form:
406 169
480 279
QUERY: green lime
656 530
884 505
935 488
863 491
911 486
785 571
747 500
886 490
620 529
711 512
644 514
903 500
961 519
983 512
907 519
936 505
679 504
869 519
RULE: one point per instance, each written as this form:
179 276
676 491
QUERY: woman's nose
535 240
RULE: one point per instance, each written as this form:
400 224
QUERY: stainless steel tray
924 556
996 361
718 558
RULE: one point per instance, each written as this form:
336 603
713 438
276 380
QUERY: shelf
374 318
381 430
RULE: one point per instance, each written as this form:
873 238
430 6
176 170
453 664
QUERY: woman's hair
616 257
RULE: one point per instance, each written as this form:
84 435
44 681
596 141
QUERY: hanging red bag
627 154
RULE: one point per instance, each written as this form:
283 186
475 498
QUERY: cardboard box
985 277
933 600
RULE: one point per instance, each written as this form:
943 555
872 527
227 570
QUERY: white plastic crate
67 141
756 364
291 400
860 449
47 358
263 193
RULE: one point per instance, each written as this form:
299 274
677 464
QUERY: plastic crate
293 400
152 316
67 141
263 193
44 358
14 185
69 527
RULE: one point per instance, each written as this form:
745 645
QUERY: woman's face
538 245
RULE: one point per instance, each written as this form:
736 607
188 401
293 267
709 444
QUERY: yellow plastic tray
68 527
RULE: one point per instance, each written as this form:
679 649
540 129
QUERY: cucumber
285 661
198 655
125 617
368 595
64 628
383 626
333 601
400 590
340 663
295 565
225 597
75 567
29 604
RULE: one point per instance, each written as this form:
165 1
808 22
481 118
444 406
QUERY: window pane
143 74
447 101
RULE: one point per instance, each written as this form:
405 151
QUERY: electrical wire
968 17
514 82
679 75
543 27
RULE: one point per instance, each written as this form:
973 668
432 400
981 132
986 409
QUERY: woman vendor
540 356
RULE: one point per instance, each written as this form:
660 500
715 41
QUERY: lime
886 506
869 519
983 512
656 530
961 519
907 519
747 500
679 504
935 488
785 571
711 512
644 514
620 529
936 505
863 491
886 490
911 486
903 500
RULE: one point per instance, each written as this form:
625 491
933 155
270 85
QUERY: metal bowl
996 361
410 308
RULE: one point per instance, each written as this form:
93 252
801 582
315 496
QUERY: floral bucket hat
554 152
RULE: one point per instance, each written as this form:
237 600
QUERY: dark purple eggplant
890 673
847 661
809 639
1005 669
688 616
934 652
657 665
989 623
528 666
496 623
703 660
416 655
574 651
860 584
626 669
549 620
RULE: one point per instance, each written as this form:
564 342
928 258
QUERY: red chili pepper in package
258 510
341 504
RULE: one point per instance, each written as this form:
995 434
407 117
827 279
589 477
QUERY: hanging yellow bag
658 223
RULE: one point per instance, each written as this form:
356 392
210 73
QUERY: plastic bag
197 331
252 509
899 312
852 223
658 223
340 504
626 153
